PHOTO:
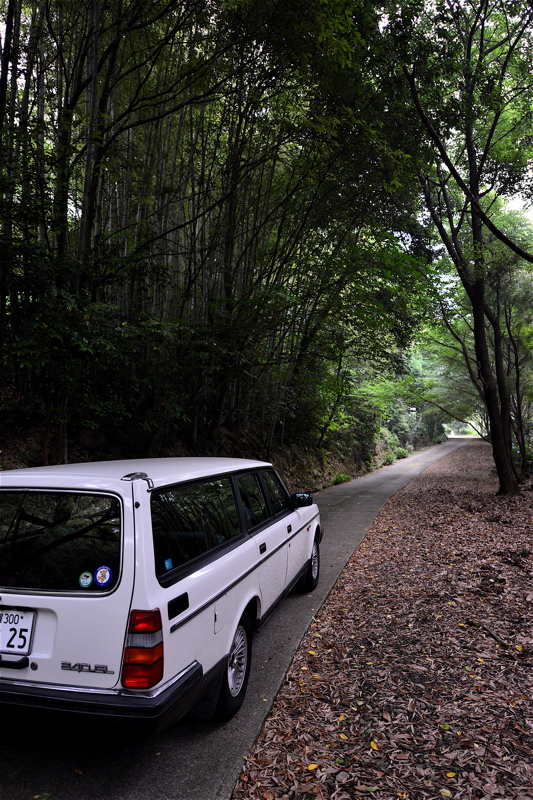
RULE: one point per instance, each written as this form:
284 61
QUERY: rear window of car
56 541
190 520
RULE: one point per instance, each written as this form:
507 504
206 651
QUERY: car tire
236 672
312 574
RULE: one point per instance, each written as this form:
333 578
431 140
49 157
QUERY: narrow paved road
197 760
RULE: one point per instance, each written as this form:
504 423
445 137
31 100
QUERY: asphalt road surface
73 760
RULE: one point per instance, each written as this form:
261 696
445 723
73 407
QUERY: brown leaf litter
414 681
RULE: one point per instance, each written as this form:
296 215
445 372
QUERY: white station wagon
132 589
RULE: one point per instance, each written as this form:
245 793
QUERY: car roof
161 471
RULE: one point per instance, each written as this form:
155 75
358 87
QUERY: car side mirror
301 499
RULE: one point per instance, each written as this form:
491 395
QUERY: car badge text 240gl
101 668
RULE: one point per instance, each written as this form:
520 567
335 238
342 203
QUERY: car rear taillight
142 665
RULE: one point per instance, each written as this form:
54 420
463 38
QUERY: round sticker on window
85 580
103 576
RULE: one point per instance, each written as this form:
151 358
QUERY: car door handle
289 528
262 548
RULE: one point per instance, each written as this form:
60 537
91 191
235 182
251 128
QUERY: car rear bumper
168 704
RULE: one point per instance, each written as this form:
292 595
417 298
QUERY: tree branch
472 199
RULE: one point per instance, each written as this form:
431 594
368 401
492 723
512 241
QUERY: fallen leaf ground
415 679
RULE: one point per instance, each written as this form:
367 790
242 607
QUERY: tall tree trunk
493 401
6 57
494 386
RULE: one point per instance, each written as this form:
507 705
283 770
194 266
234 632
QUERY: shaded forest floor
415 679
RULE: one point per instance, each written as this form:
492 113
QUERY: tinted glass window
278 496
190 519
59 541
253 500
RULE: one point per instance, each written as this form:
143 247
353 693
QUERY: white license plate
16 628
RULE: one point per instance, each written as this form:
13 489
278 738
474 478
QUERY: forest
294 229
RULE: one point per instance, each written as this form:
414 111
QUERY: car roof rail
138 476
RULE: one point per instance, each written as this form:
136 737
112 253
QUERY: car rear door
270 535
66 576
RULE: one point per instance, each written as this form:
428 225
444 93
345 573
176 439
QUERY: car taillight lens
142 665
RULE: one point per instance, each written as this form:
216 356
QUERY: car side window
278 496
189 520
252 499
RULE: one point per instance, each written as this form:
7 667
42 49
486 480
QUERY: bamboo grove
196 200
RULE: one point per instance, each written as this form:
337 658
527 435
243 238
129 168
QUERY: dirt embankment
415 680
